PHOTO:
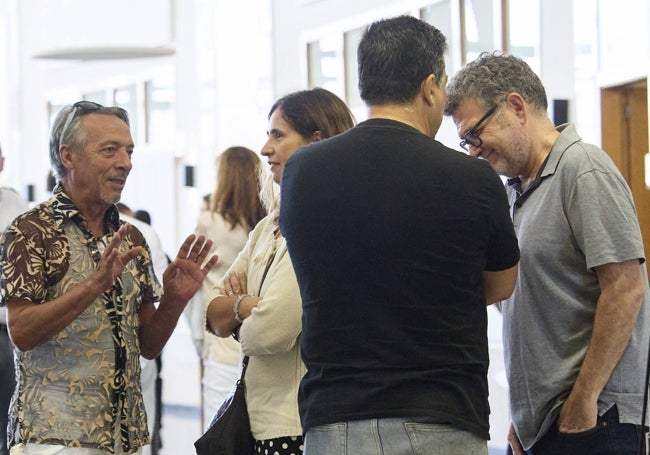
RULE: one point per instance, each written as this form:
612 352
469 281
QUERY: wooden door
624 117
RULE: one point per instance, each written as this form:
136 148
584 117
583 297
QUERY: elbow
23 346
221 332
149 355
217 320
20 341
504 292
500 285
147 350
266 344
495 298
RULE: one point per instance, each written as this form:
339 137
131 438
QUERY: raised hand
184 276
112 263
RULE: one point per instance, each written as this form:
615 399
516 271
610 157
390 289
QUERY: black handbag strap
244 365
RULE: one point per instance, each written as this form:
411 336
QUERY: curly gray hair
490 78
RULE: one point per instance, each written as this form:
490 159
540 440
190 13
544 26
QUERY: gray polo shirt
576 215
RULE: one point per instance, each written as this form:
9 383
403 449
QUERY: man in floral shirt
80 291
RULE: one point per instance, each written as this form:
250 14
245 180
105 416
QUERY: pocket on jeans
428 438
591 432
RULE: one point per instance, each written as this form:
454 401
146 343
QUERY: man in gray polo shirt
577 327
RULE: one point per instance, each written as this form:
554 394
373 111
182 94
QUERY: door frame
624 136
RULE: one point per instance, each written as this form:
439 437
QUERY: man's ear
317 136
518 105
427 88
66 154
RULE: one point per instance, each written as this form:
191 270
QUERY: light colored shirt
227 243
270 336
11 205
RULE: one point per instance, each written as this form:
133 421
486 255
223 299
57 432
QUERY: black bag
230 430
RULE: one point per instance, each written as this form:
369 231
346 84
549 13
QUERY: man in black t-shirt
398 244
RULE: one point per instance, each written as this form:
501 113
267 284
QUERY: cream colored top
270 336
227 244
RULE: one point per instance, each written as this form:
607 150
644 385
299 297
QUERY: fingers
243 282
117 238
195 248
184 250
211 263
235 283
515 445
131 254
229 283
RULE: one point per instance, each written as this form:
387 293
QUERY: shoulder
140 232
9 198
210 221
584 160
266 224
5 190
40 218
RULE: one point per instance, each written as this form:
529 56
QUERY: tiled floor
181 424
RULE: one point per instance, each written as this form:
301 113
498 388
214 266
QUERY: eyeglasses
471 137
83 106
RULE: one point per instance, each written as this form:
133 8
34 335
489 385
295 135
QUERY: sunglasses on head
78 107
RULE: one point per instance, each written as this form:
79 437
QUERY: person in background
156 441
258 300
576 329
398 244
142 215
79 289
11 205
149 369
234 210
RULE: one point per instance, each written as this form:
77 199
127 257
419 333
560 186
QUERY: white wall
221 71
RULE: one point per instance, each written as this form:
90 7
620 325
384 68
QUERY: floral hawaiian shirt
74 387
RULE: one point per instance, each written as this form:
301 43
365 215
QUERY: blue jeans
608 437
394 436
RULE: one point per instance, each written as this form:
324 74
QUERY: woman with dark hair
259 300
234 209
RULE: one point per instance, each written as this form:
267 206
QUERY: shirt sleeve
22 266
603 219
274 325
503 251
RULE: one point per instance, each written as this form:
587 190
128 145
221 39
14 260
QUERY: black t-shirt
389 233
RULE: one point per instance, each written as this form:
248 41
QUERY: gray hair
66 129
490 78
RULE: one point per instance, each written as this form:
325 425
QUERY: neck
92 211
404 113
541 147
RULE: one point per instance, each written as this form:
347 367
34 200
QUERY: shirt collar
568 136
66 211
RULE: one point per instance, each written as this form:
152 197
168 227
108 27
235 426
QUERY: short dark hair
395 55
490 78
317 109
